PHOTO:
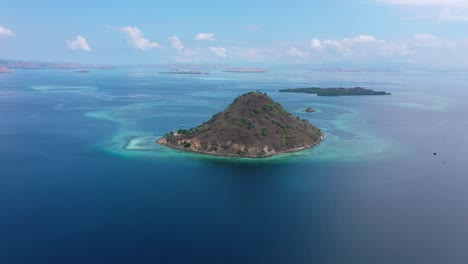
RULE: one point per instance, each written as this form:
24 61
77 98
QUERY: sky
429 33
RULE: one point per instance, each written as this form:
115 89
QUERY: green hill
251 126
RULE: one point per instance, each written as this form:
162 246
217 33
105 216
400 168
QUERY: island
246 70
12 64
309 110
335 91
179 71
82 71
253 126
4 69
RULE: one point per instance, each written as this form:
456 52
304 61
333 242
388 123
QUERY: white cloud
205 36
138 40
336 45
424 37
317 45
79 43
361 45
440 3
176 43
425 40
219 51
453 14
295 52
5 32
364 39
442 10
428 41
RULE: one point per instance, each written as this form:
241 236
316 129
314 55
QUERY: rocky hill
251 126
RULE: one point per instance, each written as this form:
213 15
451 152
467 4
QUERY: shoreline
321 139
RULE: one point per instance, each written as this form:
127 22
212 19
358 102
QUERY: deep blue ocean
83 181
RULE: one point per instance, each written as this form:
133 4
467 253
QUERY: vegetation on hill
335 91
251 126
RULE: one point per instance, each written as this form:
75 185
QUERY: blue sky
422 32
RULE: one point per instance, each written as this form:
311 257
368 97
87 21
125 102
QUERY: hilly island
253 125
335 91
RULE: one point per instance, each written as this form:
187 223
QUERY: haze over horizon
379 32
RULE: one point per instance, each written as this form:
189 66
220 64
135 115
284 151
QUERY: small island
82 71
246 70
309 110
252 126
335 91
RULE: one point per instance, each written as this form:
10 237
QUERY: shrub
182 131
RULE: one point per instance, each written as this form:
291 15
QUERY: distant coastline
32 65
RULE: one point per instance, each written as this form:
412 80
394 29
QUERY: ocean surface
83 181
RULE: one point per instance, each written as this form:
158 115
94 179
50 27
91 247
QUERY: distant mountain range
339 66
13 64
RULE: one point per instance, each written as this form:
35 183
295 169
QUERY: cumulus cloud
338 45
365 39
5 32
205 36
79 43
317 44
359 45
138 40
176 43
431 41
425 40
424 37
295 52
219 51
453 14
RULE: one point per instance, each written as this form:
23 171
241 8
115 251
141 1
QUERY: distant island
82 71
179 71
13 64
246 70
252 126
335 91
4 69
